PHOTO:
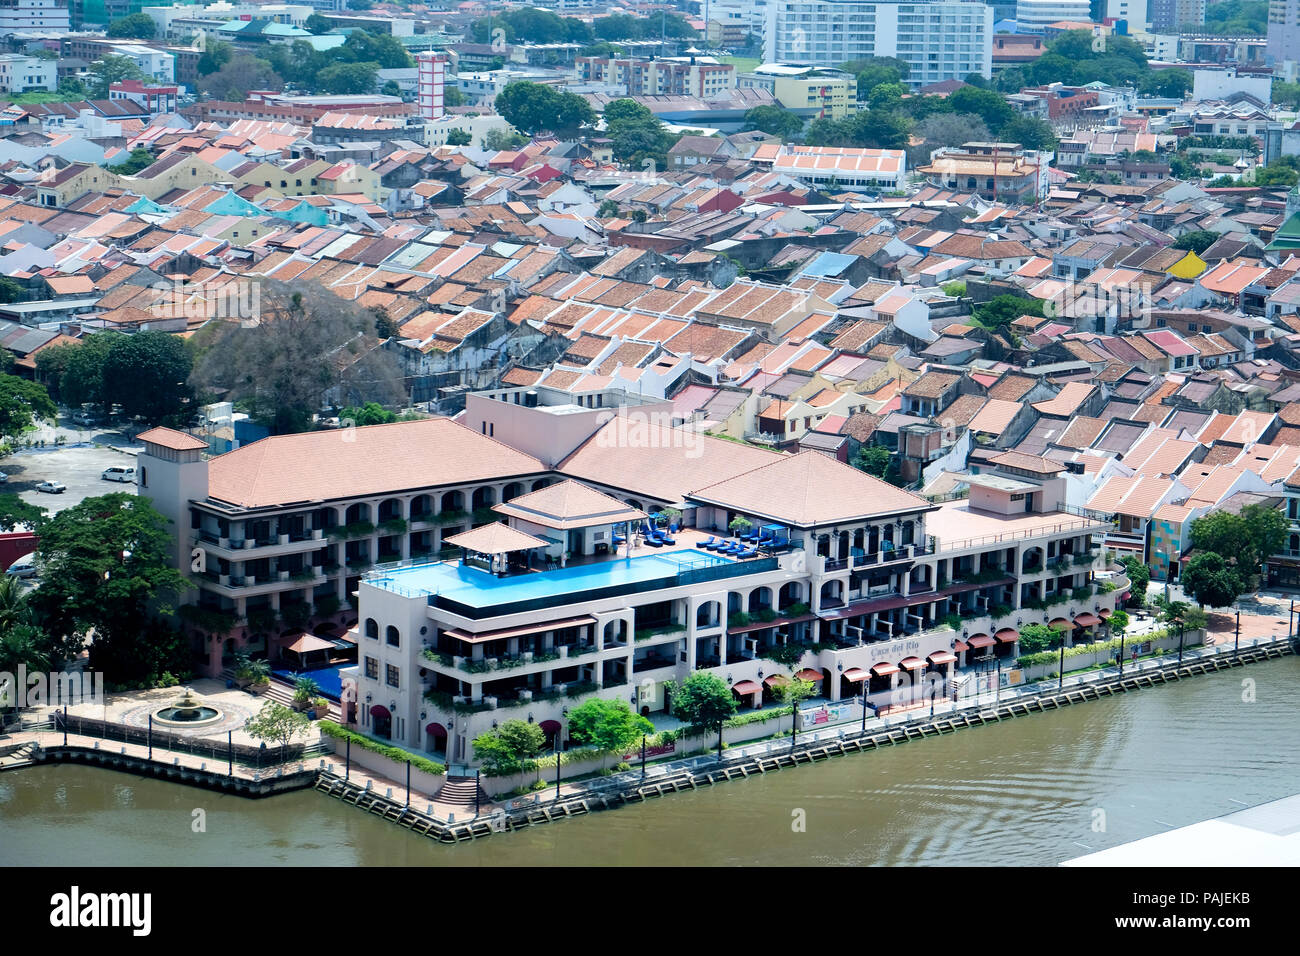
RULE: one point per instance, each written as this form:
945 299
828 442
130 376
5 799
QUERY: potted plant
304 690
320 707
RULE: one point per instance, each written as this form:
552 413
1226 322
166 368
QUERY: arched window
372 628
394 639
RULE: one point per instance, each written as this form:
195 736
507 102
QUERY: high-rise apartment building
1035 15
942 40
1171 15
432 81
1283 30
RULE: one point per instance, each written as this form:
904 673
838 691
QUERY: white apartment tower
432 82
1283 30
942 40
1033 15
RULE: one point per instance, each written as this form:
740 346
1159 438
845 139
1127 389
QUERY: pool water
477 588
331 683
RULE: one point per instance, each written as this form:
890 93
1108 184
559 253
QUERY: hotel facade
589 574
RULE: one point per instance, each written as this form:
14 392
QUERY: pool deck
479 588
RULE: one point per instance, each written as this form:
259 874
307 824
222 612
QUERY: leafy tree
874 460
453 96
1002 310
371 413
147 374
385 326
702 701
533 107
1010 80
1118 622
608 210
11 291
774 120
1038 637
23 403
952 129
106 562
1030 132
308 343
458 137
607 725
794 692
1210 579
21 645
989 106
504 750
503 139
392 89
1244 540
381 48
111 69
16 513
317 24
139 159
215 55
75 371
1198 240
277 724
347 78
1174 83
1276 174
139 26
239 75
1139 576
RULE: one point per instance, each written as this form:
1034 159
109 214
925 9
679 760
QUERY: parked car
52 487
3 477
118 473
23 571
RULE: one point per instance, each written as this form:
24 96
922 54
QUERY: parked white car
52 487
22 570
118 473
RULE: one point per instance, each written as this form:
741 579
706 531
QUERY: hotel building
482 582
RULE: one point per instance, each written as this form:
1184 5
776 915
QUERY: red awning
1008 635
856 674
1123 598
1060 623
942 657
1105 613
549 726
436 730
961 647
776 680
379 710
980 640
809 674
1086 619
884 670
911 663
746 687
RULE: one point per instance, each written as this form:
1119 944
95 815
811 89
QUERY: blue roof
828 264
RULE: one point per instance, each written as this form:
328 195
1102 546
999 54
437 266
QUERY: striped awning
884 669
746 687
776 680
1086 619
980 640
1008 635
856 674
809 674
911 663
960 647
1060 623
1105 613
942 657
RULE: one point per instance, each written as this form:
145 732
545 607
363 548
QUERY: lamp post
151 737
1121 653
1180 641
865 681
1236 639
643 756
1060 675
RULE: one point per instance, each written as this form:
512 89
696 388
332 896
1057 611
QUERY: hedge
1048 657
331 729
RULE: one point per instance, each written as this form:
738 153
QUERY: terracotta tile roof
170 438
809 489
568 504
320 466
1012 387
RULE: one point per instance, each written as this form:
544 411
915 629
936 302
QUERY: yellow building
1188 267
810 92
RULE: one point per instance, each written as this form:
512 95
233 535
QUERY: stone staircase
459 792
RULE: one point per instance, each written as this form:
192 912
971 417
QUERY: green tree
607 725
277 724
139 159
74 371
111 69
23 404
148 375
1198 240
106 563
317 24
1139 576
458 137
1118 622
1244 539
702 701
1211 580
989 106
636 134
1038 637
1029 132
241 74
874 460
371 413
533 107
347 78
503 139
503 751
794 692
774 120
215 55
1173 83
381 48
139 26
452 95
1002 310
11 291
16 513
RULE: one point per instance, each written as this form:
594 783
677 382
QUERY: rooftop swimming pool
476 588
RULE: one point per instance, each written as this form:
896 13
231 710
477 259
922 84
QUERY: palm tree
14 606
304 689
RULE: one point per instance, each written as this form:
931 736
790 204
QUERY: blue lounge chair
705 544
748 553
653 543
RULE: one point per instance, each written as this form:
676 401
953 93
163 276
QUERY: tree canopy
1212 580
607 725
23 403
534 107
504 750
775 120
702 701
139 26
1244 540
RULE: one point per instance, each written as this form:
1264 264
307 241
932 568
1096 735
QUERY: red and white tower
432 81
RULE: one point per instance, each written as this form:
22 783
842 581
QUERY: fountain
187 712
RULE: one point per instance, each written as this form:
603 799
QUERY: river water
1031 791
